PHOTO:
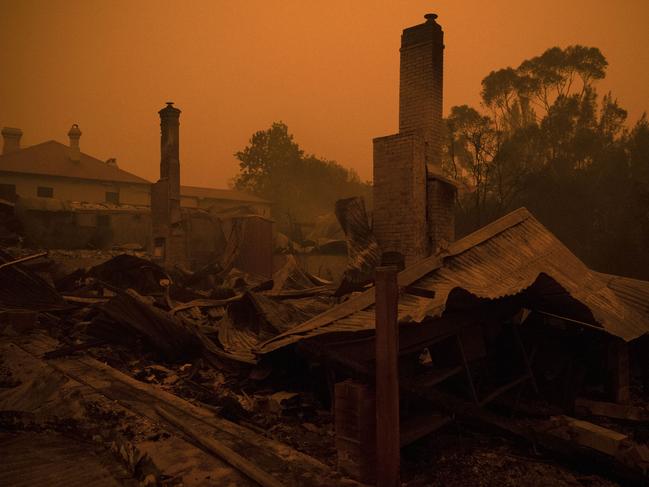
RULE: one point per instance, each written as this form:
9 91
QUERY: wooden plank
84 299
142 398
23 259
193 465
387 378
219 449
611 410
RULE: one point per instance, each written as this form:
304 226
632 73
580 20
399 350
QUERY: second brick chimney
74 134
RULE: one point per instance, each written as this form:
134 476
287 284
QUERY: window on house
112 197
45 192
8 192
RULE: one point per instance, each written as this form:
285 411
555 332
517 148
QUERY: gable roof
52 158
504 258
219 194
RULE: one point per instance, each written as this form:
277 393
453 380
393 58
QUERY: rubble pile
190 334
138 363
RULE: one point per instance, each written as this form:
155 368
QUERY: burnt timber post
387 378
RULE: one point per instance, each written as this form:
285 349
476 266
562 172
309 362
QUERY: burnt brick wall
400 195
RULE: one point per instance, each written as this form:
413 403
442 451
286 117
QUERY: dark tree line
545 139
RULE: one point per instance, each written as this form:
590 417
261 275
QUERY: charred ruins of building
202 377
191 238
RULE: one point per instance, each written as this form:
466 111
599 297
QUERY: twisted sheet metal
501 259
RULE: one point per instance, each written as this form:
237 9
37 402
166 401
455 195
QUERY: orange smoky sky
329 69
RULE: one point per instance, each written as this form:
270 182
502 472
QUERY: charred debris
542 360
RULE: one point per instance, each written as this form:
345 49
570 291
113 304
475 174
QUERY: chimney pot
11 139
430 17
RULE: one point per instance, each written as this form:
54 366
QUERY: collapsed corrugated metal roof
633 292
511 255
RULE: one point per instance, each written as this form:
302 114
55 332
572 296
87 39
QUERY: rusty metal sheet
511 255
256 318
362 248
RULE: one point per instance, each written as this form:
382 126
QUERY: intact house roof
52 158
220 194
512 255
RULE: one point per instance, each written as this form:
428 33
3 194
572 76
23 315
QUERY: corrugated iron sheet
501 259
362 248
632 292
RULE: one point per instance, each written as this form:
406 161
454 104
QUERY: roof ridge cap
489 231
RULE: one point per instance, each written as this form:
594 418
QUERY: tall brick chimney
169 245
420 84
11 139
170 148
413 201
74 134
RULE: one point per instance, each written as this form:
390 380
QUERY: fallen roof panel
501 259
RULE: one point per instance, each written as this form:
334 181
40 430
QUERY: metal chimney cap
430 17
74 130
